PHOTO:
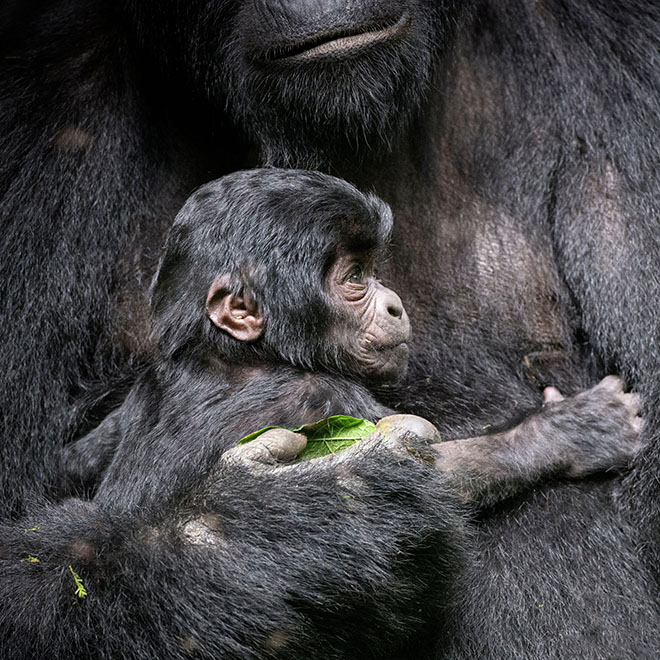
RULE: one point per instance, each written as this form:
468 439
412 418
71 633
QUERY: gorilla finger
611 383
408 435
281 445
408 428
274 446
552 395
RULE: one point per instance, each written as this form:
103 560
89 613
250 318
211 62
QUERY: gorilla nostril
395 310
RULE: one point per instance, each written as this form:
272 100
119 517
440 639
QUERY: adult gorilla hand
326 558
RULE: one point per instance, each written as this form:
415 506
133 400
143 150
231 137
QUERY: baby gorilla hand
364 528
404 436
594 431
598 429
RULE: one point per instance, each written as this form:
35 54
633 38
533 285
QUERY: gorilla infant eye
356 275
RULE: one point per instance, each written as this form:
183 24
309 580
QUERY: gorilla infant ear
238 315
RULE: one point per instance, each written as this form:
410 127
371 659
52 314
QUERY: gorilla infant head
309 79
277 266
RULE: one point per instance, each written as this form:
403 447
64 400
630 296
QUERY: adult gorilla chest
403 98
406 98
493 320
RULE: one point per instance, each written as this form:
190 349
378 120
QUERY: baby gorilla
286 324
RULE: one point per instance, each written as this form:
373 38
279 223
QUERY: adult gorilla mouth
337 43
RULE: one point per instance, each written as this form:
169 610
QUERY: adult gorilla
515 142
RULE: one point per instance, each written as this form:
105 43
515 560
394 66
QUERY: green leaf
332 434
81 592
327 436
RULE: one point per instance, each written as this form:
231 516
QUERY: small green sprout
81 592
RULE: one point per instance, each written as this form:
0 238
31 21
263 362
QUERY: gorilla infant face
284 261
373 327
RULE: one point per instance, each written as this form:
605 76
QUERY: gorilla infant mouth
392 346
336 43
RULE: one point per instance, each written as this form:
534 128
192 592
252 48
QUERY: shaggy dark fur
206 384
520 160
205 390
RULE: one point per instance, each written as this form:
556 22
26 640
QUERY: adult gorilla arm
608 251
324 559
606 221
63 324
94 167
606 212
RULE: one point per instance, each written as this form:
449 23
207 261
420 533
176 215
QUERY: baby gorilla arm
84 461
593 431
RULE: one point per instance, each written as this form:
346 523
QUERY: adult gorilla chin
316 82
311 81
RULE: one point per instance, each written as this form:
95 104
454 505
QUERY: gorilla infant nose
394 317
392 303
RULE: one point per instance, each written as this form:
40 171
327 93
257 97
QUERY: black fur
299 219
170 531
522 178
249 564
208 385
207 389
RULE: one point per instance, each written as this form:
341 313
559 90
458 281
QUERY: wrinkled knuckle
408 429
254 453
233 455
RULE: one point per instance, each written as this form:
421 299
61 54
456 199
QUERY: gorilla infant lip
400 346
336 43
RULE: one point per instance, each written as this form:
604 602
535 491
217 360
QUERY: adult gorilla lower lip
337 43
